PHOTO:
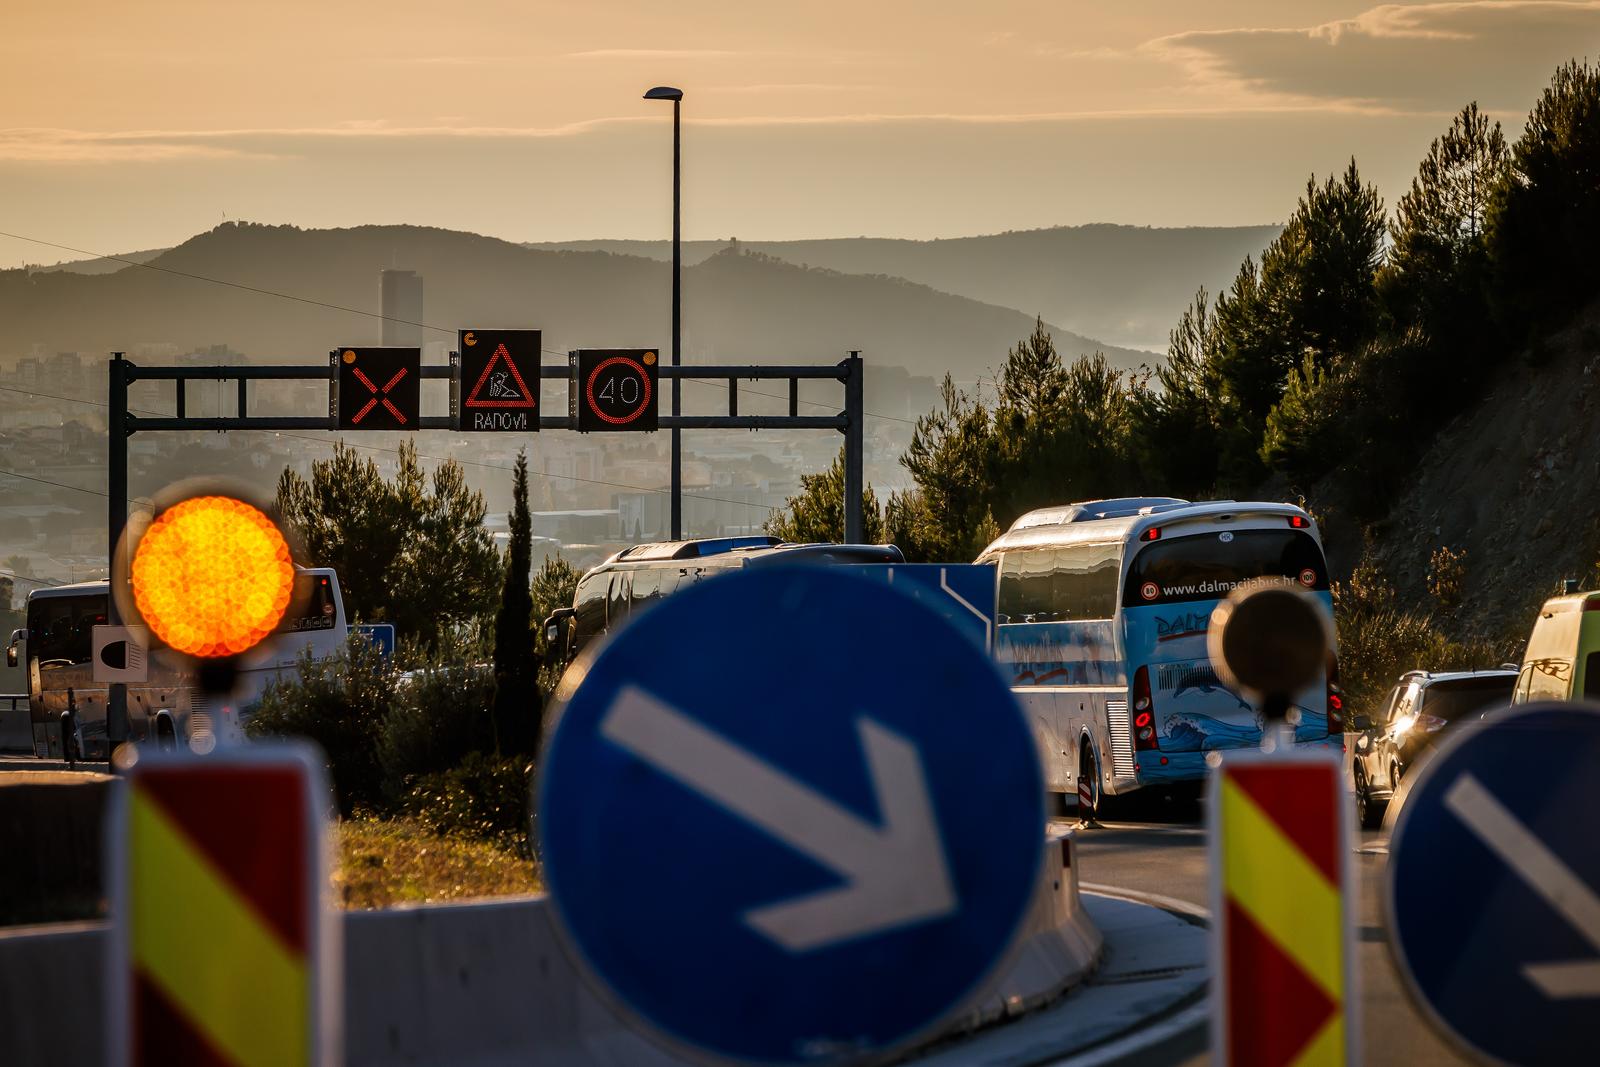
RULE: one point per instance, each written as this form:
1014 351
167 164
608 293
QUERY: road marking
1545 874
895 874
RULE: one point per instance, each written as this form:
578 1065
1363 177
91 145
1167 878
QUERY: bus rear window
312 606
1210 565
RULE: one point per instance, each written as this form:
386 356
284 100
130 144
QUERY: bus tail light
1335 699
1144 713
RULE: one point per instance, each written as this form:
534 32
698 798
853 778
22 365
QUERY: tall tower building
401 305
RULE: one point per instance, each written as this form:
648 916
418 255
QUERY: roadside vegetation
396 861
1322 375
431 752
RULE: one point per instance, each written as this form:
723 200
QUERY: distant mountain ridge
737 307
1124 284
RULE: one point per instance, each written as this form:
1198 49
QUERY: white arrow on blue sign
790 816
1494 885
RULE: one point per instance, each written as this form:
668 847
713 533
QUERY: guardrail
482 983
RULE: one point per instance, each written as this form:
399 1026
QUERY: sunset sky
126 126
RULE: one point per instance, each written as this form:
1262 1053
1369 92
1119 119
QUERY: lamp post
667 92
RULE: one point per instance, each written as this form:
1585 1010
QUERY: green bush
441 713
1379 641
481 797
341 704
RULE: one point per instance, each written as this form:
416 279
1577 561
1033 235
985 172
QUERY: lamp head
664 92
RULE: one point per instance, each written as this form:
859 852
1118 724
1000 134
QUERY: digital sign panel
614 389
499 382
379 388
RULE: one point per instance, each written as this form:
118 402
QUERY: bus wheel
1090 800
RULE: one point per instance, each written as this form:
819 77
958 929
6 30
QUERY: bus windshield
1210 565
61 628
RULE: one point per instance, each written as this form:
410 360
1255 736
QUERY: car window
1387 715
617 606
1404 702
1459 699
1591 676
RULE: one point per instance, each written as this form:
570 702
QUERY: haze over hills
1123 284
736 306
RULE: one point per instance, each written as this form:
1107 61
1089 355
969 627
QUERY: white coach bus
56 648
1102 609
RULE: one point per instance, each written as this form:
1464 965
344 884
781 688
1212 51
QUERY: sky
129 126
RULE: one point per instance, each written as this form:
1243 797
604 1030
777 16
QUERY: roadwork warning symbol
495 393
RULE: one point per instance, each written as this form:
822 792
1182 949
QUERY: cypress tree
516 672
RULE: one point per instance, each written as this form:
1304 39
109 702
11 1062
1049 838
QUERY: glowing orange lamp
211 577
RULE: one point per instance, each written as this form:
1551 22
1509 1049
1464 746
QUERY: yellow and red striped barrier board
1281 907
222 931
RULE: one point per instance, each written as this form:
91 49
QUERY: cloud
1394 58
654 53
26 145
46 145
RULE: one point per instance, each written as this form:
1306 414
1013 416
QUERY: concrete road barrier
482 984
51 825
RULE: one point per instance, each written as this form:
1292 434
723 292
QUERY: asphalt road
1161 848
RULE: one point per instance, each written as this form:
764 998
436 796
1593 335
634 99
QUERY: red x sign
399 415
364 403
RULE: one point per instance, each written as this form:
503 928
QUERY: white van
1563 657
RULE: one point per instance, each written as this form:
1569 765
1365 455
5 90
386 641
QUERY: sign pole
677 332
116 523
854 447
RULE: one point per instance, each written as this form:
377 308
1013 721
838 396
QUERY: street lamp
667 92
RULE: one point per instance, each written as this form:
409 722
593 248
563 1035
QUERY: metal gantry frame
123 424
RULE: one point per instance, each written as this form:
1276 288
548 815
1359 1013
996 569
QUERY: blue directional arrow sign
1494 886
790 816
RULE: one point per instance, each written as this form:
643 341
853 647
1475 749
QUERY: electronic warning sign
378 388
498 383
614 389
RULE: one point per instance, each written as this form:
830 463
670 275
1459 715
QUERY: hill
1125 284
1511 482
736 306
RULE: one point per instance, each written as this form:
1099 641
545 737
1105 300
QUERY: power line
394 451
354 311
35 581
64 485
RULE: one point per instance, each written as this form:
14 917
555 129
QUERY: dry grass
387 862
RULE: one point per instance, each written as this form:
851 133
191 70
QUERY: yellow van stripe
221 966
1283 891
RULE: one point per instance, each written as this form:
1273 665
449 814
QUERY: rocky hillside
1514 483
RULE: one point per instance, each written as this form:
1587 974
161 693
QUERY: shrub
1379 640
340 703
441 713
1447 573
481 797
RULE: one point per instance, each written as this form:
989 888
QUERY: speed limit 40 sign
614 389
